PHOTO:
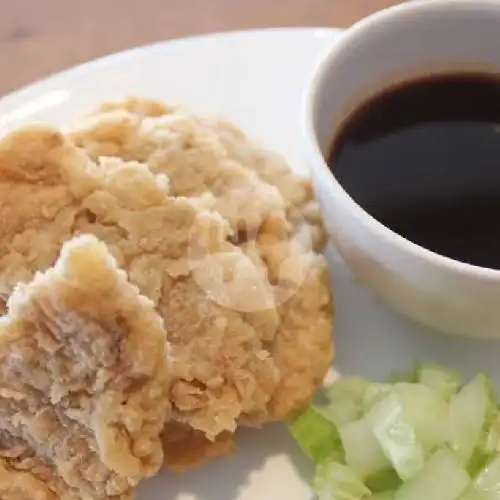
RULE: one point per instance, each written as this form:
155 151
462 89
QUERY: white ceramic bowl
410 40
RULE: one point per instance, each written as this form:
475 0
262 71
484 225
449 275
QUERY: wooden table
39 37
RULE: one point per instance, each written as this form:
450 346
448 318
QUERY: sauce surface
423 158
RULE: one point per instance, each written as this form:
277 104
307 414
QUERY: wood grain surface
39 37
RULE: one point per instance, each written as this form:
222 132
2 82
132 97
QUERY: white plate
255 78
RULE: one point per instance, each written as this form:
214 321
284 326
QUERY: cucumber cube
362 451
442 478
468 415
445 382
334 481
488 481
397 437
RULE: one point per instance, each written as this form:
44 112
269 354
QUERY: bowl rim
315 156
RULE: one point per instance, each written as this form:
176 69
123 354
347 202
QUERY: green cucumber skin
324 443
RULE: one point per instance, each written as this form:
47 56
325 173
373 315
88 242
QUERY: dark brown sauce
423 158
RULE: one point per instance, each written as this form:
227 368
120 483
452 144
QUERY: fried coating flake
221 357
83 382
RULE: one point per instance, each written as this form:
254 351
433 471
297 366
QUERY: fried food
217 233
196 153
84 381
175 250
199 154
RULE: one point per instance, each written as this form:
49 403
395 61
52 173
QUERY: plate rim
169 44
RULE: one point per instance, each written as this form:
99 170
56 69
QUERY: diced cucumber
445 382
362 451
345 398
468 415
316 435
374 394
334 481
442 478
397 437
427 411
488 480
414 439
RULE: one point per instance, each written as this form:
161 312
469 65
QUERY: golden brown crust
203 153
84 382
242 301
174 249
189 153
196 153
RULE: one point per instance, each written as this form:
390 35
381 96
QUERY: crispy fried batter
84 383
174 249
182 147
303 346
193 151
169 137
196 154
297 191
